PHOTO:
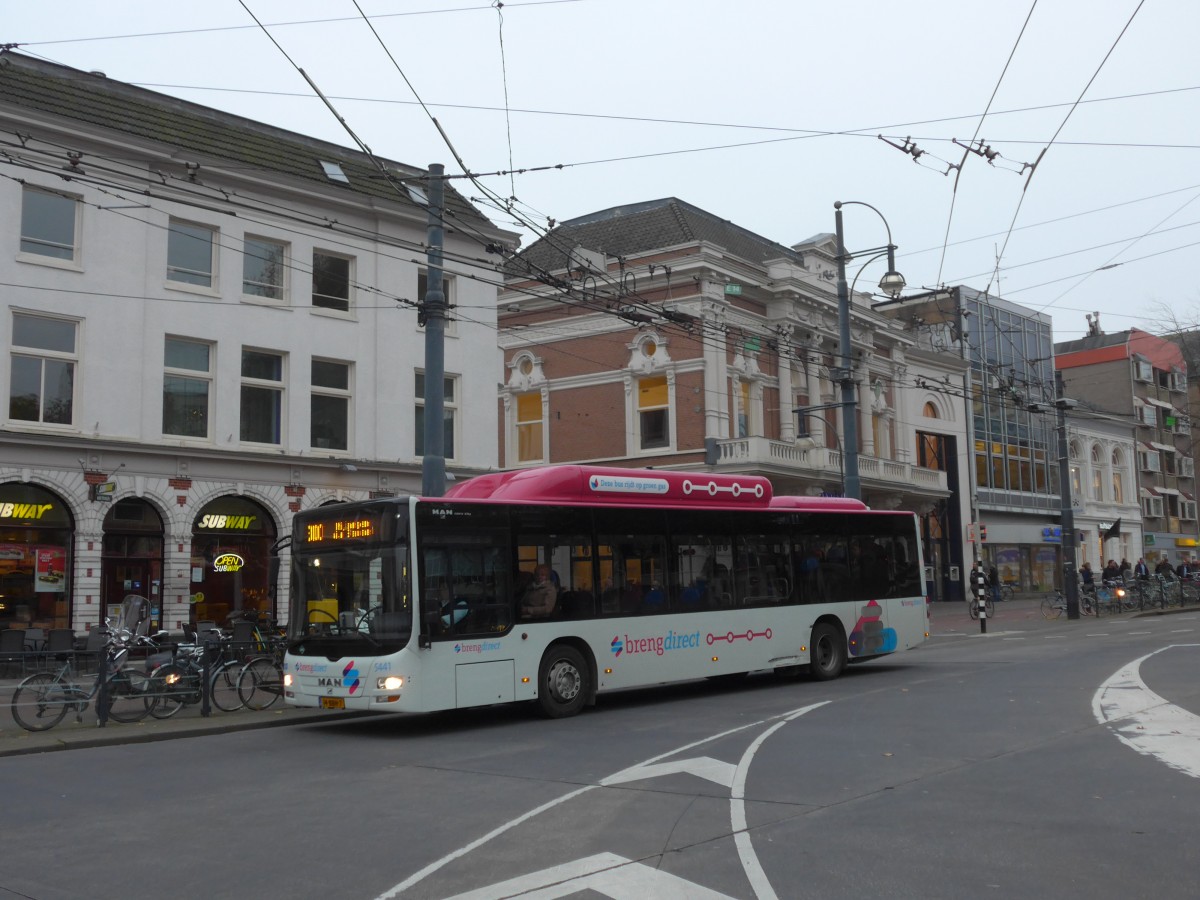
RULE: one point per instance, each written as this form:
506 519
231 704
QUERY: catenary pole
433 460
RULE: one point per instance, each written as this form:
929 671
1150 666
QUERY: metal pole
1067 519
433 460
849 405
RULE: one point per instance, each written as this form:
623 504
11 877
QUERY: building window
529 427
653 410
191 254
1187 510
1152 507
42 383
48 224
1148 461
741 396
187 387
262 397
330 413
1118 477
263 267
1142 370
1097 473
449 414
331 281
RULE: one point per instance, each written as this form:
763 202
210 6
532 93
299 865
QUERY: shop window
36 536
42 383
187 388
231 548
330 406
262 397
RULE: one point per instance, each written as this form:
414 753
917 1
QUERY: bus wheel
827 655
562 682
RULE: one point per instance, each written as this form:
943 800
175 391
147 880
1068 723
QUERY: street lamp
891 284
1066 523
811 411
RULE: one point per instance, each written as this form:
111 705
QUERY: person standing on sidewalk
994 583
1141 571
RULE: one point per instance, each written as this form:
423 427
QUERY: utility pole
433 309
1067 519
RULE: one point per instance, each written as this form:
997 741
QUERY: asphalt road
1040 760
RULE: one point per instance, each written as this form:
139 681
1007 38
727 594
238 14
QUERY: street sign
733 290
103 493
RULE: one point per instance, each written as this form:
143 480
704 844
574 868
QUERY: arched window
930 411
1118 479
1097 473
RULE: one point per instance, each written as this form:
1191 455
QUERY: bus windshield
347 599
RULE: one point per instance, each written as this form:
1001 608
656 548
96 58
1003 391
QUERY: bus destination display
335 530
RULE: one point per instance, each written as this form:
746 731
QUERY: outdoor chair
59 644
12 650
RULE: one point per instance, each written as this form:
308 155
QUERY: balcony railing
798 460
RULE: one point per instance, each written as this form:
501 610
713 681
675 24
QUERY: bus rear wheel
827 656
562 682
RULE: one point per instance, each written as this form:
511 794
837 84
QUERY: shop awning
1163 403
1170 491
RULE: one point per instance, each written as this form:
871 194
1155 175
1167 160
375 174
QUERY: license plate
333 703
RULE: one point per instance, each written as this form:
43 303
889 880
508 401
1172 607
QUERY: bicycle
260 683
1054 605
43 700
988 604
1008 590
180 682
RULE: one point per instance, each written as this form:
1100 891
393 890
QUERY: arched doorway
231 548
131 559
37 533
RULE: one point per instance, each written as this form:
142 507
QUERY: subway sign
213 522
228 562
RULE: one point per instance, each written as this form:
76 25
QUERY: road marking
605 873
700 766
1179 631
434 866
1145 721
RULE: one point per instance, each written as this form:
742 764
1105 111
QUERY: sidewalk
1024 612
72 735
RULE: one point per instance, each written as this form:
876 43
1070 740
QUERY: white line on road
1145 721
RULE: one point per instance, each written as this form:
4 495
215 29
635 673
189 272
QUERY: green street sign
734 290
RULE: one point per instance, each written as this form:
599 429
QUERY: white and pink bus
555 584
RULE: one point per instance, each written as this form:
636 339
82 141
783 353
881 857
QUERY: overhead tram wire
978 126
1058 131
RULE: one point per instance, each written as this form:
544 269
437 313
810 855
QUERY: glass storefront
132 557
230 568
36 532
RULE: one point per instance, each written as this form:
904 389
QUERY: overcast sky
763 112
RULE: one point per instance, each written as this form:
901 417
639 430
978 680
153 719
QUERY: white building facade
211 324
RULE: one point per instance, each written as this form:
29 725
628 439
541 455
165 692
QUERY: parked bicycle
1055 604
176 679
987 602
43 700
260 684
1008 590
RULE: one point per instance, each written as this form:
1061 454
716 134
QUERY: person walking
994 583
1141 571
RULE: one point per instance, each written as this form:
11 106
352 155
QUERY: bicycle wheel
40 702
261 683
169 690
1051 607
128 696
224 686
990 606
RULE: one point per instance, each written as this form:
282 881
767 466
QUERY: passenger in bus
537 602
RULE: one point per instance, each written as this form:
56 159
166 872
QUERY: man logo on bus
617 646
350 677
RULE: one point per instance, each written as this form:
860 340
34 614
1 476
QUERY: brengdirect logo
657 644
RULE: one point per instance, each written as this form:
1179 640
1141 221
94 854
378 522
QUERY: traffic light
982 533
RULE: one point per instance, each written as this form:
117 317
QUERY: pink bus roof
637 487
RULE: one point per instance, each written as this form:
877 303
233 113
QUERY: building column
787 397
866 423
814 423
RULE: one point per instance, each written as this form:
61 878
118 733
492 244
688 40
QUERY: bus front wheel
827 657
562 682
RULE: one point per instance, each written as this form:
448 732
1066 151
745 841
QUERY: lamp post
810 411
891 284
1067 517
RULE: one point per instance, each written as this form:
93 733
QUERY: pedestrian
1088 578
1185 569
1125 567
994 583
1141 571
1111 571
1164 568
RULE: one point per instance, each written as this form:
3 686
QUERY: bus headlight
389 683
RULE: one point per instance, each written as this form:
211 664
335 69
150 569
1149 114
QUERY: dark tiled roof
644 227
213 136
